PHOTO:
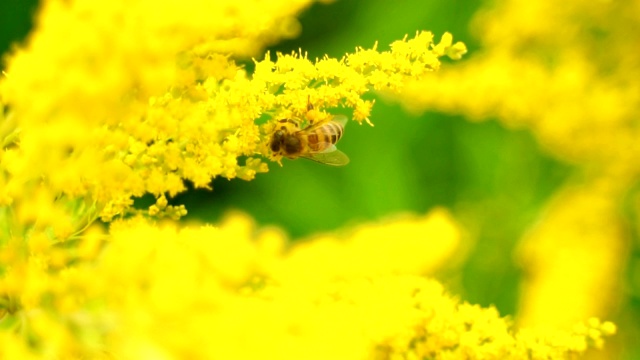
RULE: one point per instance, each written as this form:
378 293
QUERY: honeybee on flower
315 142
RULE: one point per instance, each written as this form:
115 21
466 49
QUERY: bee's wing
331 156
340 119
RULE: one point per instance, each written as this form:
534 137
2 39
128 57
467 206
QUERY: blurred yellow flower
236 292
544 67
566 73
573 265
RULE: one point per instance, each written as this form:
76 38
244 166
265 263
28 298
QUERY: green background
493 180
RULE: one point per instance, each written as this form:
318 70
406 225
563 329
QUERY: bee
316 142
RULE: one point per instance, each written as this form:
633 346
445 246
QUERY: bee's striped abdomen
324 136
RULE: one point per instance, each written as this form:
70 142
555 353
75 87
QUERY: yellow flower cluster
136 117
544 67
99 116
573 256
237 292
568 74
296 83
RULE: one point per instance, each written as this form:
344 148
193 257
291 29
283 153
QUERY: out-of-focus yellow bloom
572 264
568 75
236 292
543 67
373 250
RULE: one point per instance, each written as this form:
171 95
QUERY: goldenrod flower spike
292 79
294 84
112 143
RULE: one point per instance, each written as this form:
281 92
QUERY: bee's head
284 141
277 140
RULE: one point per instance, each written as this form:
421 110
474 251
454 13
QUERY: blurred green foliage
494 180
15 21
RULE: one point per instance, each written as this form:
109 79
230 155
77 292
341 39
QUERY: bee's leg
309 104
310 107
313 116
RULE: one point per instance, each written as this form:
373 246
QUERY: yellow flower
570 256
133 116
542 67
237 293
